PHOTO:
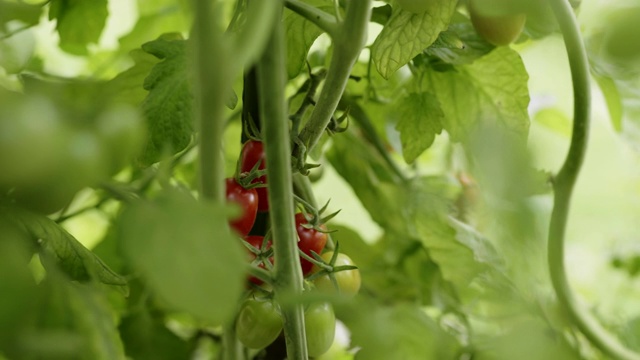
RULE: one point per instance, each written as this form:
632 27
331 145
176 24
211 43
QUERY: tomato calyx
261 258
328 268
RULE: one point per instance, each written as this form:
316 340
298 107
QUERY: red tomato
248 201
256 241
310 240
252 153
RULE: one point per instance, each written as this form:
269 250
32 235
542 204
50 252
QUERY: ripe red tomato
309 240
252 153
248 201
258 323
256 241
348 281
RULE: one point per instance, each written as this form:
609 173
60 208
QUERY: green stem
212 78
275 130
564 184
347 46
323 20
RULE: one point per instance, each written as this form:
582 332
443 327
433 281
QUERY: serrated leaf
71 256
419 120
127 86
407 34
397 332
492 91
79 23
186 253
168 107
300 35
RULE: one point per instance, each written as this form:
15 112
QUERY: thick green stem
324 21
564 184
275 131
252 39
347 46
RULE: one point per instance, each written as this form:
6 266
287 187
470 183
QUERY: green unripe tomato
258 323
320 327
348 281
621 43
415 6
498 29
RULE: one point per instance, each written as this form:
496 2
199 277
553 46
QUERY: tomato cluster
259 322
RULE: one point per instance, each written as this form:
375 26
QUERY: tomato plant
252 154
127 128
347 281
311 239
247 199
258 323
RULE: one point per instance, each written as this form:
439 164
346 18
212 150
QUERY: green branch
275 131
324 21
564 184
347 46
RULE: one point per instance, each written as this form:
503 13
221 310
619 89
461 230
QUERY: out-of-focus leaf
27 14
630 334
490 91
530 339
79 23
70 256
553 119
419 120
127 86
16 51
612 97
146 337
407 34
185 252
300 35
397 332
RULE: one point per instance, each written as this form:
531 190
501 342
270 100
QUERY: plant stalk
564 184
348 43
275 130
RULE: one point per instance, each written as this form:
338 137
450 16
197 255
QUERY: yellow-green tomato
415 6
348 281
259 323
320 328
499 30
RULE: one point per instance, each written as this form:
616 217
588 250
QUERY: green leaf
27 14
69 255
127 87
16 51
397 332
491 91
407 35
72 321
184 250
554 119
613 100
169 105
146 337
79 23
459 44
419 120
300 35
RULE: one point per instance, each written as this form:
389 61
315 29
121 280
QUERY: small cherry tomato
500 29
259 323
348 281
320 328
252 153
248 201
309 240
